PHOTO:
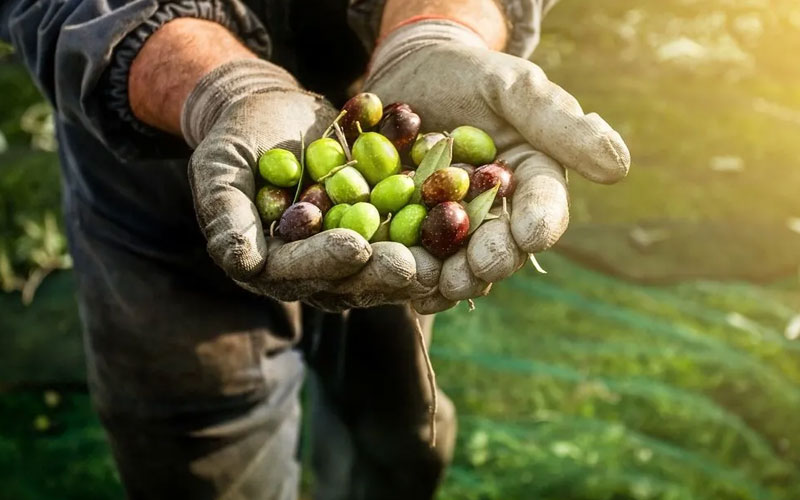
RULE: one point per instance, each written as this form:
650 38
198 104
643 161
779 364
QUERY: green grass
68 461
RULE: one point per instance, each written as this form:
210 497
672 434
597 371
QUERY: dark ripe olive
271 201
316 195
444 231
487 177
400 125
445 184
365 108
466 167
300 221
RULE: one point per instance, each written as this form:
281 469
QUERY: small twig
358 126
32 283
342 140
505 207
272 229
536 264
431 380
302 166
336 169
471 304
334 122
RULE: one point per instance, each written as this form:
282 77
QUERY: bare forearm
170 64
484 16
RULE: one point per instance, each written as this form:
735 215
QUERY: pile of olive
438 202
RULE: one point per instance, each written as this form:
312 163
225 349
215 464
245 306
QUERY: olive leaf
439 156
302 166
479 207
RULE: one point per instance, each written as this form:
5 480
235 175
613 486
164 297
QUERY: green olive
472 145
322 156
334 216
382 234
347 186
376 157
362 218
392 193
280 167
423 144
405 226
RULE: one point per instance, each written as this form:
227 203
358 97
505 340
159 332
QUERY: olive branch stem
431 380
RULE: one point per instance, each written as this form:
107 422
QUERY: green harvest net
570 385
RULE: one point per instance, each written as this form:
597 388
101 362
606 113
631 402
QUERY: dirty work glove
236 113
446 73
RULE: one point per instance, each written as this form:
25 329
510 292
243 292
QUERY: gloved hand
445 72
236 113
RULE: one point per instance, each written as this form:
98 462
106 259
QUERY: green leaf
438 157
480 206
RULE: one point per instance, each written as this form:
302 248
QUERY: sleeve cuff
233 15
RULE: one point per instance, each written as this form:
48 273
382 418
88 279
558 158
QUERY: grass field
652 362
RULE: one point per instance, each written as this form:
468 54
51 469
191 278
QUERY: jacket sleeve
524 17
79 53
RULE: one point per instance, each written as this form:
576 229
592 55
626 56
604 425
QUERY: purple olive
364 108
488 176
300 221
445 184
400 125
316 195
444 231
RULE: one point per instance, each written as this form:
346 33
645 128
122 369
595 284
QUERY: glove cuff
223 87
409 38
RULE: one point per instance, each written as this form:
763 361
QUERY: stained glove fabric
445 72
236 113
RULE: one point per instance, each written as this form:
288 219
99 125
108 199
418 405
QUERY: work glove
448 76
235 114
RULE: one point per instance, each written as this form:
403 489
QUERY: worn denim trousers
197 386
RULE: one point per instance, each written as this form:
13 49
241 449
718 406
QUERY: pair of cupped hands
449 77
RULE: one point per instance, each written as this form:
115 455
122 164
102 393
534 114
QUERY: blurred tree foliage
32 242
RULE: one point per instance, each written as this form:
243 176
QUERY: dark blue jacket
125 184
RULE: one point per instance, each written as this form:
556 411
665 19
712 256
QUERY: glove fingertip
433 304
239 256
607 157
493 254
457 280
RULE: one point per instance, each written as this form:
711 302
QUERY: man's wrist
411 37
171 63
225 85
484 17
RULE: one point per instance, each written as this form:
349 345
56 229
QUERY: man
195 378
